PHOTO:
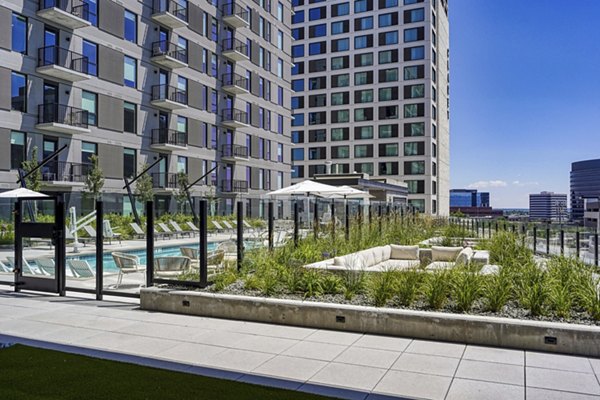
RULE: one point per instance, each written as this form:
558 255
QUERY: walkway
347 365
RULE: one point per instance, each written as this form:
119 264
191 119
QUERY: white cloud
523 184
487 184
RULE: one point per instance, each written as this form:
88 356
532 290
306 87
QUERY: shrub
533 289
497 290
588 294
331 284
436 288
382 287
225 279
311 283
465 288
408 286
353 283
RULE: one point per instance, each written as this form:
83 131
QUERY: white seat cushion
436 265
464 257
397 264
441 253
404 252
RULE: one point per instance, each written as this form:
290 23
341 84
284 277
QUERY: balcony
56 62
71 14
169 13
169 139
235 50
234 186
164 181
234 84
60 118
168 97
169 55
234 118
64 174
233 152
235 15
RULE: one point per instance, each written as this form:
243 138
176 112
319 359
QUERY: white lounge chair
192 227
46 265
228 226
109 233
92 233
81 269
180 231
5 268
138 232
166 230
26 267
127 264
218 226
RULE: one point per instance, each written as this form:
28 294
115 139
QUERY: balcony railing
171 7
62 114
234 150
233 79
166 92
233 114
65 171
164 47
233 11
54 55
76 7
169 136
234 186
233 44
164 180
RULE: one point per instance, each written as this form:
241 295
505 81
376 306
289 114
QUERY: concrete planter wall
479 330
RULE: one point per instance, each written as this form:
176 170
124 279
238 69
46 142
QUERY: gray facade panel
195 18
195 94
195 133
254 87
194 56
254 115
254 178
194 169
110 159
110 113
110 66
254 147
5 28
254 23
4 149
254 55
112 18
5 97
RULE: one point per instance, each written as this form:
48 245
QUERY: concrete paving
338 364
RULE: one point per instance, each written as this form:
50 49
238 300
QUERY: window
362 5
317 153
214 30
388 19
298 85
416 15
297 102
338 134
414 72
18 92
340 45
362 42
297 119
365 168
129 162
388 131
388 112
92 14
90 50
340 151
363 132
342 62
414 34
130 72
89 103
280 95
363 96
416 187
298 67
317 13
363 78
414 91
388 168
340 9
340 80
361 24
279 152
387 38
17 149
297 171
388 56
340 27
414 129
362 150
280 68
317 48
317 118
317 100
417 204
182 164
363 60
298 50
87 151
414 110
297 136
298 33
414 149
387 94
388 149
280 12
414 167
317 135
387 4
298 17
317 30
129 117
317 65
388 75
279 39
414 53
408 2
19 33
363 114
340 116
130 32
341 98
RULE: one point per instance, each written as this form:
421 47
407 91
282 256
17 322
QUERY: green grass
32 374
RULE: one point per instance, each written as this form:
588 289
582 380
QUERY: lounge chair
92 233
189 252
127 264
171 267
81 269
218 226
46 265
5 268
165 229
192 227
109 233
26 267
228 226
138 232
178 229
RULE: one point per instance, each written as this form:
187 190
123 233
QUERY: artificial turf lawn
32 373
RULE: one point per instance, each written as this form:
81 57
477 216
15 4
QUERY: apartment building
371 93
585 190
548 206
195 84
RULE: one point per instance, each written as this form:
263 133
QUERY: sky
524 95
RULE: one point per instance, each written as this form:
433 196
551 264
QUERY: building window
340 116
280 40
19 33
340 62
298 51
414 91
340 45
87 151
362 6
317 30
362 24
340 152
414 110
214 30
363 114
414 149
414 72
317 13
363 60
387 38
92 15
414 34
388 112
388 168
89 102
388 131
182 164
129 117
416 187
129 162
362 150
342 80
389 19
298 17
365 168
338 134
416 15
280 12
388 150
18 92
414 129
414 53
317 65
90 50
130 31
388 75
363 132
130 72
363 78
363 96
317 48
298 33
341 98
387 94
340 9
389 3
362 42
17 149
414 167
339 27
280 68
298 85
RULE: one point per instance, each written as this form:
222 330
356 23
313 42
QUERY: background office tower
371 93
548 206
585 191
200 83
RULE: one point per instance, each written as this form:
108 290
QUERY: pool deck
340 364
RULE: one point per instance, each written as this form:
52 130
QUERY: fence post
596 249
296 224
316 219
380 217
370 215
203 245
99 249
333 219
534 239
547 240
347 221
483 229
562 242
240 234
149 243
577 244
270 224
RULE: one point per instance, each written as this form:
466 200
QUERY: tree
143 187
94 179
34 181
181 194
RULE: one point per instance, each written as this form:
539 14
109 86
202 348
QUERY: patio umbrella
20 192
347 192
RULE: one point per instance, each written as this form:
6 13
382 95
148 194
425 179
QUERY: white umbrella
20 192
348 192
306 187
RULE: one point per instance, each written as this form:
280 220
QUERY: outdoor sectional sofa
397 257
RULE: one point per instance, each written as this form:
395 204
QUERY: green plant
180 194
144 187
533 291
408 287
94 179
225 279
588 294
436 288
353 283
311 283
466 288
382 287
34 181
331 284
497 290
